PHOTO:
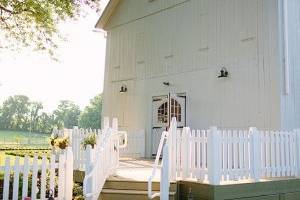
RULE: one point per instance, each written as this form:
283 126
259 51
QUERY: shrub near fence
38 179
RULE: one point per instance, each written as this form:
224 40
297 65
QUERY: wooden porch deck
135 170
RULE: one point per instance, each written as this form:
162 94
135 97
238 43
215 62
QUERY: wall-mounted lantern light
223 73
123 89
166 83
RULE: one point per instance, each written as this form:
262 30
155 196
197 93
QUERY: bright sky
78 76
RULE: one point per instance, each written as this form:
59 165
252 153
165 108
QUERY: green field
10 140
22 138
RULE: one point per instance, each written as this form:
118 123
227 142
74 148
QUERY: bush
90 139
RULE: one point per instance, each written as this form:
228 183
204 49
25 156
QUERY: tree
67 114
15 112
35 108
45 123
91 116
34 22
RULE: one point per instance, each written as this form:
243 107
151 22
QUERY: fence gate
163 109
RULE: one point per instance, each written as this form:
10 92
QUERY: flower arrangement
90 139
59 142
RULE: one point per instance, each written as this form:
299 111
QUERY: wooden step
134 185
112 194
132 190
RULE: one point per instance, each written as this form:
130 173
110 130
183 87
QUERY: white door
164 108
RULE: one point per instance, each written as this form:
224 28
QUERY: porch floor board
135 170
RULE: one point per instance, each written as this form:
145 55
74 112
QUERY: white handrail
109 134
164 137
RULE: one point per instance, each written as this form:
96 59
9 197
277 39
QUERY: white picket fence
41 175
224 156
102 160
135 147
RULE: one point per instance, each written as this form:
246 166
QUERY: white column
255 154
214 156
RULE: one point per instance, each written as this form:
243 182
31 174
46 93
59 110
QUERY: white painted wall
290 103
187 44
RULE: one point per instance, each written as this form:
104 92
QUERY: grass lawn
22 138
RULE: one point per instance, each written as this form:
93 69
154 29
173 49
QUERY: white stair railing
164 185
103 160
167 147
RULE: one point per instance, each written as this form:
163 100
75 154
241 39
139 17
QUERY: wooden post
88 187
255 154
214 156
164 176
297 132
186 133
69 174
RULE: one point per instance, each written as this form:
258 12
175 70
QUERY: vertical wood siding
187 43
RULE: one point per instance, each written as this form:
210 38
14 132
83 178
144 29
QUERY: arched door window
163 111
175 110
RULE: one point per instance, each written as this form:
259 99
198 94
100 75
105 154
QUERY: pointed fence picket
41 174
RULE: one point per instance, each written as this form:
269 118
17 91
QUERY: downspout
286 48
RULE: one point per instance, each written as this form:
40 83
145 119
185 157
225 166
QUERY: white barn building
164 59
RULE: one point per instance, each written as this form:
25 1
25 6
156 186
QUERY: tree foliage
34 22
20 114
67 114
91 116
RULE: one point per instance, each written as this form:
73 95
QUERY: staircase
131 190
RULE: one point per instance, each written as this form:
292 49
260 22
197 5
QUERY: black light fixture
123 89
223 73
166 83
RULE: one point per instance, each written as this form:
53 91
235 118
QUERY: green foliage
66 114
91 116
30 153
20 114
34 22
78 191
90 139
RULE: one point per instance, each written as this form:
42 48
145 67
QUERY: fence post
88 184
186 132
255 154
69 173
172 145
214 156
164 176
297 132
